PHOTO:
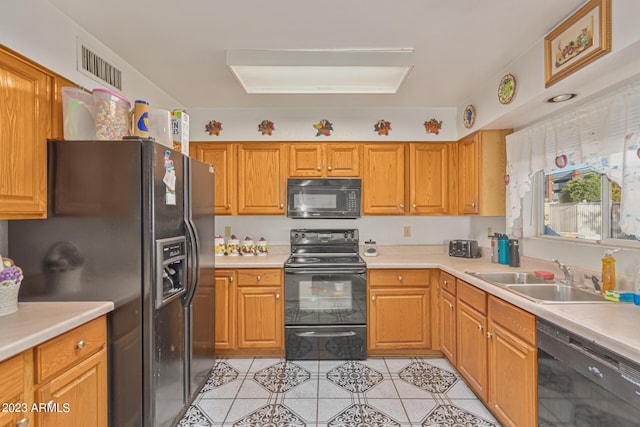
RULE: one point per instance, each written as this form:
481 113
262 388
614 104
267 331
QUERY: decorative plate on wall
506 89
469 116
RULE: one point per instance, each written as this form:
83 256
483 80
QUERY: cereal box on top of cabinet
180 131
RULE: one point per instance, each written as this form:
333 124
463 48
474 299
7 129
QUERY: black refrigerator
130 222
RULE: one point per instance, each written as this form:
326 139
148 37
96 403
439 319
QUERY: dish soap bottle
608 271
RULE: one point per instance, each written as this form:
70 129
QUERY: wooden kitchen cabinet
321 160
222 157
249 312
260 309
15 390
471 341
430 178
512 364
399 312
448 316
262 174
225 303
71 376
383 179
26 94
482 166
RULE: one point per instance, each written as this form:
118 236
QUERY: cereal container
220 247
111 114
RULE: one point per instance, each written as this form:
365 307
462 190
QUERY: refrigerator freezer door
199 301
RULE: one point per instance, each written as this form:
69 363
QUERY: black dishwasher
581 383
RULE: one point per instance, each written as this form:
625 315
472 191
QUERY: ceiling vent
97 68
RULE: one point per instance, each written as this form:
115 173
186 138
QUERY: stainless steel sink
556 293
510 277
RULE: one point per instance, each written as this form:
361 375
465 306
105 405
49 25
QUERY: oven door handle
326 334
329 270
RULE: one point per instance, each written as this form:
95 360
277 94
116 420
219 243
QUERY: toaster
464 248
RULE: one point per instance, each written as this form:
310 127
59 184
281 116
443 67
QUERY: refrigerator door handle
196 253
194 262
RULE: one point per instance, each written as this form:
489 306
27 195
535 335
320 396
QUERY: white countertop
37 322
612 325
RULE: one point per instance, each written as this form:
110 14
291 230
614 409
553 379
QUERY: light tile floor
381 392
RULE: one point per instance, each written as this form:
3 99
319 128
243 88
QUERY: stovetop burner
324 248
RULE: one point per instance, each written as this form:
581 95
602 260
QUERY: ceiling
181 45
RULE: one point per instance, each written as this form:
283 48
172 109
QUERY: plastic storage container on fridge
77 114
111 114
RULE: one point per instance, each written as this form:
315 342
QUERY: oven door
325 296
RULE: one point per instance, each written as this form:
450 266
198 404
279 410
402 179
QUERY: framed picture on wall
578 41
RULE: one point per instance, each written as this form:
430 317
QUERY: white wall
385 230
296 124
39 31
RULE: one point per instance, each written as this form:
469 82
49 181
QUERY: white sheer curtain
603 134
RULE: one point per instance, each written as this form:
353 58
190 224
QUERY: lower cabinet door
512 378
448 325
471 348
78 397
260 318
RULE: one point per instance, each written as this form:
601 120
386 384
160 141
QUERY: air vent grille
96 67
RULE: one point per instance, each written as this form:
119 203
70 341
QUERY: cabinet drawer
68 349
399 277
472 296
448 282
253 277
516 320
12 374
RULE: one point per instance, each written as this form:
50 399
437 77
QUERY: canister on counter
233 246
220 246
246 247
261 247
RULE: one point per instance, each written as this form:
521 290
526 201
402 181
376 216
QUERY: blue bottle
503 250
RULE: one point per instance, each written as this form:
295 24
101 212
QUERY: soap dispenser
608 271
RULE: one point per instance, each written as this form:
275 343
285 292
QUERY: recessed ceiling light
320 71
562 97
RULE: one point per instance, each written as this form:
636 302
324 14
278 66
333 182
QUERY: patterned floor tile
330 408
273 416
216 409
391 407
428 377
362 414
222 373
307 409
354 377
194 417
451 415
385 389
281 377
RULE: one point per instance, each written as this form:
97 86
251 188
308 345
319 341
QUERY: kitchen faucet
568 275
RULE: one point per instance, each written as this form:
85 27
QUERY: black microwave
324 198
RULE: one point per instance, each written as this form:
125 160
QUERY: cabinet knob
23 422
400 278
328 168
489 335
446 283
401 206
450 305
373 298
258 277
277 296
228 206
281 205
231 278
81 344
480 327
473 205
414 205
318 168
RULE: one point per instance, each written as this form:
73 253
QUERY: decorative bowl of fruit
10 279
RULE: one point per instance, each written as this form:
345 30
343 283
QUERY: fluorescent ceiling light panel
320 71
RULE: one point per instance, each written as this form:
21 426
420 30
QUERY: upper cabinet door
430 178
220 155
342 160
262 174
469 175
383 179
306 160
25 124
